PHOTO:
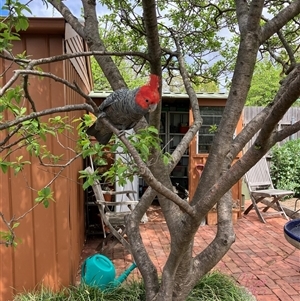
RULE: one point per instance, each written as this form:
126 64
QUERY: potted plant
107 193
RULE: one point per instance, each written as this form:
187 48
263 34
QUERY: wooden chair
112 219
260 186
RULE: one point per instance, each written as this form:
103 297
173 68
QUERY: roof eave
168 95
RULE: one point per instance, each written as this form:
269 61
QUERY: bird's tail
91 131
102 139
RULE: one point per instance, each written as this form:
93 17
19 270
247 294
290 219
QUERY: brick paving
260 259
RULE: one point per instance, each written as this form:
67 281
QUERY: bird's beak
152 107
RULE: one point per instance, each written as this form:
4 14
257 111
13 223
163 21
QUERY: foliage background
285 166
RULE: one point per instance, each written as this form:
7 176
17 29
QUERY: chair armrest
108 205
118 192
116 203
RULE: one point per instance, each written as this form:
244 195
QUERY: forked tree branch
62 57
9 226
74 87
147 175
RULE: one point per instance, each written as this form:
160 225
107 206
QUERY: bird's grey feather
121 110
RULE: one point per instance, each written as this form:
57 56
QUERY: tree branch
27 95
285 97
240 86
10 241
277 58
254 15
242 14
188 137
93 40
6 139
248 131
146 266
74 87
289 51
67 108
287 131
148 176
214 252
68 16
154 50
152 35
289 92
62 57
280 20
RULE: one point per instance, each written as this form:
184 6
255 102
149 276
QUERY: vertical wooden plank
6 254
43 218
62 185
20 202
6 257
76 202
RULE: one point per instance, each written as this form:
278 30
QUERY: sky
38 9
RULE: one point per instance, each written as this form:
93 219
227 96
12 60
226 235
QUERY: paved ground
260 259
292 203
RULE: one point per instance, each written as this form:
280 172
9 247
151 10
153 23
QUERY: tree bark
181 271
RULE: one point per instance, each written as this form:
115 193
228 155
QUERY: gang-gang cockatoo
124 109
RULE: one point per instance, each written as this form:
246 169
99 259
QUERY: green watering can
97 270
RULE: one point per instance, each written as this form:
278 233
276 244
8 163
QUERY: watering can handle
83 270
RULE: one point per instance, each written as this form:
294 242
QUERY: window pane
211 118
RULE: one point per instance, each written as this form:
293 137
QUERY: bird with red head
124 109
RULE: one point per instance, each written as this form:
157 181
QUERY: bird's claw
102 115
121 133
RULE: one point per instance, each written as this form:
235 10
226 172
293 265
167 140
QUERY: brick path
260 259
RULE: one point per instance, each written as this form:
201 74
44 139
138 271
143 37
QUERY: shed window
211 120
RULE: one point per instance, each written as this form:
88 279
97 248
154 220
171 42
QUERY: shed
52 238
175 118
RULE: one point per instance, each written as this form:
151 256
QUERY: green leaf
196 23
17 169
90 181
15 225
44 196
85 185
4 166
39 199
3 26
22 24
2 108
153 130
166 160
46 203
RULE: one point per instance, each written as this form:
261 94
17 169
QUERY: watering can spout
123 276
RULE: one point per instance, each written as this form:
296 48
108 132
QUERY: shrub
214 286
285 166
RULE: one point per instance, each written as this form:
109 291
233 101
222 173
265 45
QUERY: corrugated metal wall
52 238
